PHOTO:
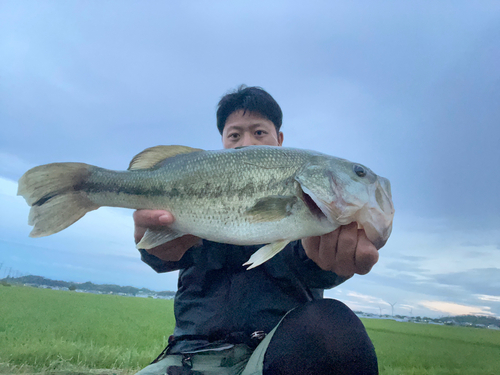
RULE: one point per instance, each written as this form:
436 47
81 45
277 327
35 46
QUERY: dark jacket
218 297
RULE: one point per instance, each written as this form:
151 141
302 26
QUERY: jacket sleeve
310 273
162 266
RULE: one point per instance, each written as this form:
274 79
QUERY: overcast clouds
411 90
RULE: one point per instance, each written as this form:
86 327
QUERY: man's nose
248 140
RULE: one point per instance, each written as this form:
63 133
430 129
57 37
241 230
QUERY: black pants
321 337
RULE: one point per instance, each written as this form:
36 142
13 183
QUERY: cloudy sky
412 90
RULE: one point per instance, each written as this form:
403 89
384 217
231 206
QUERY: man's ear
280 138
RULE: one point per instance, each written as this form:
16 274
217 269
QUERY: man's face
249 129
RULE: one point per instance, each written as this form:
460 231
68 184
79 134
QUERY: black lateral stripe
92 187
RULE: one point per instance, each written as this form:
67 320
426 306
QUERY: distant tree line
473 319
87 286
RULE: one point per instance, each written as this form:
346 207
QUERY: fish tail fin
54 193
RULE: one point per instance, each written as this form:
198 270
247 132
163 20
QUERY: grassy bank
48 329
51 331
410 348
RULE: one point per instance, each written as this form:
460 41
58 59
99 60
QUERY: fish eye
359 170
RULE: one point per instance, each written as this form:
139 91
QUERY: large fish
245 196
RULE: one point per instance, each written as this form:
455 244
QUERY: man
271 319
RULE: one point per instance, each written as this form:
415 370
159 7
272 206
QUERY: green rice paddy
49 331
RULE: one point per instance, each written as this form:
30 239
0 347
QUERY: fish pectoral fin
272 208
156 237
150 157
265 253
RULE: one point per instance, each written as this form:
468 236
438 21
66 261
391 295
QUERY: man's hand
171 251
345 251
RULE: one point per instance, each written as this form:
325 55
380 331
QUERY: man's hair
249 99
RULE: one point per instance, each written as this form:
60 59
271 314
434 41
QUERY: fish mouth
335 209
377 234
313 207
377 215
374 216
334 212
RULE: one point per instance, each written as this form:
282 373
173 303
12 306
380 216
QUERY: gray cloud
411 258
405 267
476 281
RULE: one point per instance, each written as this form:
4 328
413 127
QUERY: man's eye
260 132
233 135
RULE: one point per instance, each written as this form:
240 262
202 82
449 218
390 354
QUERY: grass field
47 331
409 348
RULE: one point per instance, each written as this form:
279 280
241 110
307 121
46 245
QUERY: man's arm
171 251
345 251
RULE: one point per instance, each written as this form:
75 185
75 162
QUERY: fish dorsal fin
153 155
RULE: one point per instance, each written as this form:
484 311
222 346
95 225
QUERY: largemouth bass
246 196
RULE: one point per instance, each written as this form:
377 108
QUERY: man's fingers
169 251
152 218
311 247
346 250
366 254
144 219
328 250
174 250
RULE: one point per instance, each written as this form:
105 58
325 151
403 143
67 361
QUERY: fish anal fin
156 237
272 208
265 253
153 155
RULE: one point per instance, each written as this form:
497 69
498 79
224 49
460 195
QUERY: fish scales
216 180
212 191
252 195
